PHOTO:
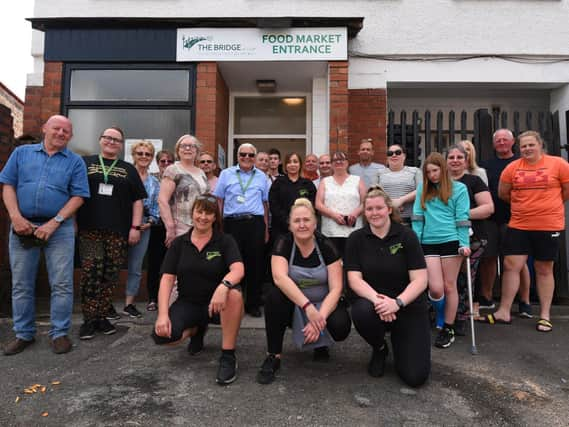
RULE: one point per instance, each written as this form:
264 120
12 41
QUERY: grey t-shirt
367 173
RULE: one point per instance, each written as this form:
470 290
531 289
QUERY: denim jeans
24 264
135 258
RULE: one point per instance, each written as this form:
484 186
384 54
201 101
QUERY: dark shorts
542 245
496 236
441 250
184 315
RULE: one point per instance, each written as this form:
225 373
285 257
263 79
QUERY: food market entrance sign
257 44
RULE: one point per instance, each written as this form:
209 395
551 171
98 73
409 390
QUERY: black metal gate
425 133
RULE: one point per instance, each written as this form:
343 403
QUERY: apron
313 282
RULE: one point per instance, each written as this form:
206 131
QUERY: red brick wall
212 107
43 101
339 99
367 118
6 147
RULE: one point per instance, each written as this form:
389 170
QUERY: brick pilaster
339 99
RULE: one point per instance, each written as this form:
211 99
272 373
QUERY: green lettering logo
211 255
189 42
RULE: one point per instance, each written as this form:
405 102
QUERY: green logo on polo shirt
303 192
211 255
395 248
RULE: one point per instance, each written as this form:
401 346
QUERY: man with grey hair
367 169
503 142
243 194
324 168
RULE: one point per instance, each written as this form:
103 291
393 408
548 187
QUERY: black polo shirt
385 263
199 273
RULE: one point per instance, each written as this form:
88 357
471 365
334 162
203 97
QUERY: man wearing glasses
243 194
44 184
366 168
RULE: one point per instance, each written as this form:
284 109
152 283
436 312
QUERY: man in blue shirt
243 194
44 184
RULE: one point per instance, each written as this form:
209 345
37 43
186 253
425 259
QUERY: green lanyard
244 188
106 172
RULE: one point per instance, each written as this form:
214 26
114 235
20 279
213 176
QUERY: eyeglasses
165 161
188 146
210 199
394 153
111 139
206 161
250 155
143 154
338 160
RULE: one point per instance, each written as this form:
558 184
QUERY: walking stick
473 349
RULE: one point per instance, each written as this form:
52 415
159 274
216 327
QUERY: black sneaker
227 371
486 303
321 354
87 330
460 327
445 337
524 310
195 346
131 311
376 365
269 368
112 314
106 327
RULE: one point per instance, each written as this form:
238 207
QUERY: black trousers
410 338
183 315
156 251
278 315
250 236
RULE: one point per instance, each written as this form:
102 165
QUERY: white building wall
390 27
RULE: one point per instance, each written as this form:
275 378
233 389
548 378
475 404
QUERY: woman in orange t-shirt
536 185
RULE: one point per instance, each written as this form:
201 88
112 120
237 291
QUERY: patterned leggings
102 254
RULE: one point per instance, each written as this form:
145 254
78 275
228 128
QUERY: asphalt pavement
520 377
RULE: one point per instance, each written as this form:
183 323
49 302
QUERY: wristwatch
59 219
227 283
400 303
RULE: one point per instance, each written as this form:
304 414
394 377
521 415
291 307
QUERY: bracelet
227 283
306 304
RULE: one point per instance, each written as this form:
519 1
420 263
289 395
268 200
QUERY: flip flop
491 320
544 325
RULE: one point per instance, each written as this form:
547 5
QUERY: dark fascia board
354 24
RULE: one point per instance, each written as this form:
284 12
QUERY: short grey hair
247 145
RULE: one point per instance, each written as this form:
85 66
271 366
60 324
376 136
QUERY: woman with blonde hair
387 271
441 221
142 153
473 167
307 273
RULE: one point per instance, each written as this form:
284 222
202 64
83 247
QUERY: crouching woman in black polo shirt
208 267
386 269
307 272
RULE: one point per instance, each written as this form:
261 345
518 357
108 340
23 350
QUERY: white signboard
257 44
128 143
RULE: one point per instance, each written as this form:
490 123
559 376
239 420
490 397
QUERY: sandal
491 320
151 306
544 325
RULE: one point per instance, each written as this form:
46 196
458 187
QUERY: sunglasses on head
143 154
210 199
206 161
250 155
394 153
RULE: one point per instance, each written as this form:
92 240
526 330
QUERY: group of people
365 243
